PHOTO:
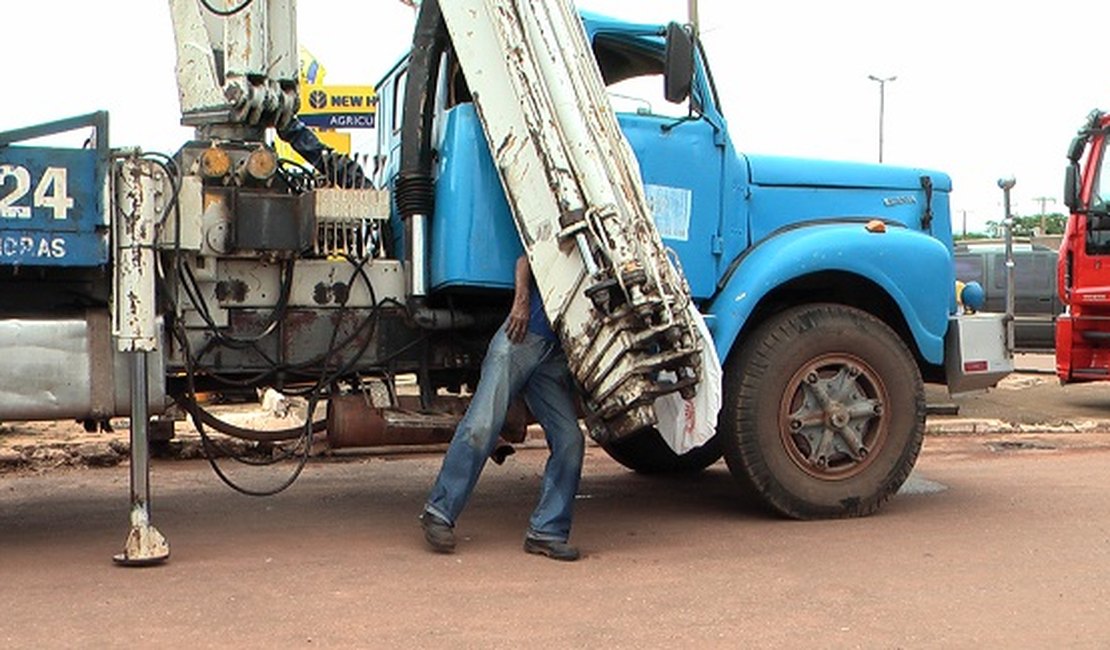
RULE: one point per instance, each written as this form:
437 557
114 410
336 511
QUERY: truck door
680 162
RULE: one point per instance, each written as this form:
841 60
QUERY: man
337 168
524 358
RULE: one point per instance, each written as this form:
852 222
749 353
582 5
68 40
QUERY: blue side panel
50 208
473 239
915 270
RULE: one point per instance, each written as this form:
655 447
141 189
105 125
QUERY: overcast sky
984 89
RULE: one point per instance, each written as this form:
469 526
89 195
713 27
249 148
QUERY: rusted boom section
619 306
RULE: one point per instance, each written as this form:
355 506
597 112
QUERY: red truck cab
1083 268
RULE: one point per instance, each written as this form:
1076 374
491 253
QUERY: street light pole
882 106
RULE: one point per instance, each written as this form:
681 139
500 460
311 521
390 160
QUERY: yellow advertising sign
320 99
338 107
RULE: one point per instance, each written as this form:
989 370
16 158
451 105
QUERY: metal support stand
145 545
1007 184
140 197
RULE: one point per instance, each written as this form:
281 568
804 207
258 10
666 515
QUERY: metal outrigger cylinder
140 197
144 545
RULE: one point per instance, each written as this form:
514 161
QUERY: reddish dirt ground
1004 541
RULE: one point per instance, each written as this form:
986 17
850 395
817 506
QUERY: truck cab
829 287
1083 267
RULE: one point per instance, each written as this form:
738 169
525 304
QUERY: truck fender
914 269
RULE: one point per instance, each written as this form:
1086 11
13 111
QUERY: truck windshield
1098 213
1100 191
633 74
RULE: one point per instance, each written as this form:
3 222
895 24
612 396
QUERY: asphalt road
1030 399
1003 541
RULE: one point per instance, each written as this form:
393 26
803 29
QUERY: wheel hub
831 416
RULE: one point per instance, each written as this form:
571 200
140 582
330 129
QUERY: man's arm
339 169
519 314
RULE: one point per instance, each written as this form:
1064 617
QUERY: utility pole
1044 220
882 106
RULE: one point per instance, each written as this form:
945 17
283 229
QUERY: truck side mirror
1071 187
1075 149
678 64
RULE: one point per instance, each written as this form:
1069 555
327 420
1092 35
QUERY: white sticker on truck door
670 207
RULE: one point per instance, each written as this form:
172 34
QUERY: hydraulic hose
414 189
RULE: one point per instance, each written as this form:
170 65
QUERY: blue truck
828 286
133 281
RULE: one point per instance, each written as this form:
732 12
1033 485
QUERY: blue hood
783 171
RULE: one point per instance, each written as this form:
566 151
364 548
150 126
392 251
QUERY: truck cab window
1100 192
458 92
1098 218
397 110
633 77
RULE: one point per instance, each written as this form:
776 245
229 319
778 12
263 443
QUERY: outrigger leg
144 545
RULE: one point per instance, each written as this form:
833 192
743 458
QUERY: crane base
145 546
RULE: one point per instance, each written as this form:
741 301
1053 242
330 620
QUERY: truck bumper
976 356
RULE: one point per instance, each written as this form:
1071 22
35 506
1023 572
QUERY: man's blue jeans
536 368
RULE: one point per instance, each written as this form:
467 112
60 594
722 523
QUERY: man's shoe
438 533
552 549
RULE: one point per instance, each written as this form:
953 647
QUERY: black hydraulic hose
280 435
209 445
414 187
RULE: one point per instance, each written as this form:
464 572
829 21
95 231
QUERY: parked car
1035 301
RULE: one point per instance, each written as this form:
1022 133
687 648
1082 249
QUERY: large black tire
824 412
646 452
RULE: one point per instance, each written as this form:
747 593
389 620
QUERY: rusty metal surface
141 192
353 421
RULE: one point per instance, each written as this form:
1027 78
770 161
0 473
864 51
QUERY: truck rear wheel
824 412
646 452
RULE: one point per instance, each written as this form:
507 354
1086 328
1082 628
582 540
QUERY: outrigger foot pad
145 546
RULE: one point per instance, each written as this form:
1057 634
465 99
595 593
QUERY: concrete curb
978 426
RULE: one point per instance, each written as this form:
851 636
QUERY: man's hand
518 315
518 320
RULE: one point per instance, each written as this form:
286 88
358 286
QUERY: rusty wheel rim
832 417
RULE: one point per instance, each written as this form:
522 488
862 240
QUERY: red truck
1083 267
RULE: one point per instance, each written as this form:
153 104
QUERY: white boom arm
620 307
256 40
